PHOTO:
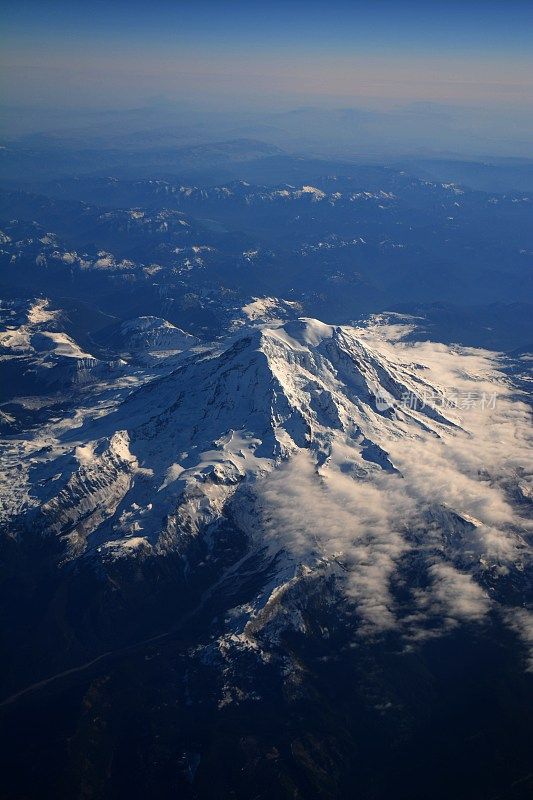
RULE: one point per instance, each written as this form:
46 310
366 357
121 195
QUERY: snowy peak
308 416
227 416
49 357
154 334
231 416
292 385
326 368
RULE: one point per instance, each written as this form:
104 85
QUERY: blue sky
111 53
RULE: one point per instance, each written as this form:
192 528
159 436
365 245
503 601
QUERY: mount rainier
330 451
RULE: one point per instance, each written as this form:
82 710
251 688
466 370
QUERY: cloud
355 523
456 594
521 621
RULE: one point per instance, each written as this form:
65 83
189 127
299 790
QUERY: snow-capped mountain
152 333
46 357
334 451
